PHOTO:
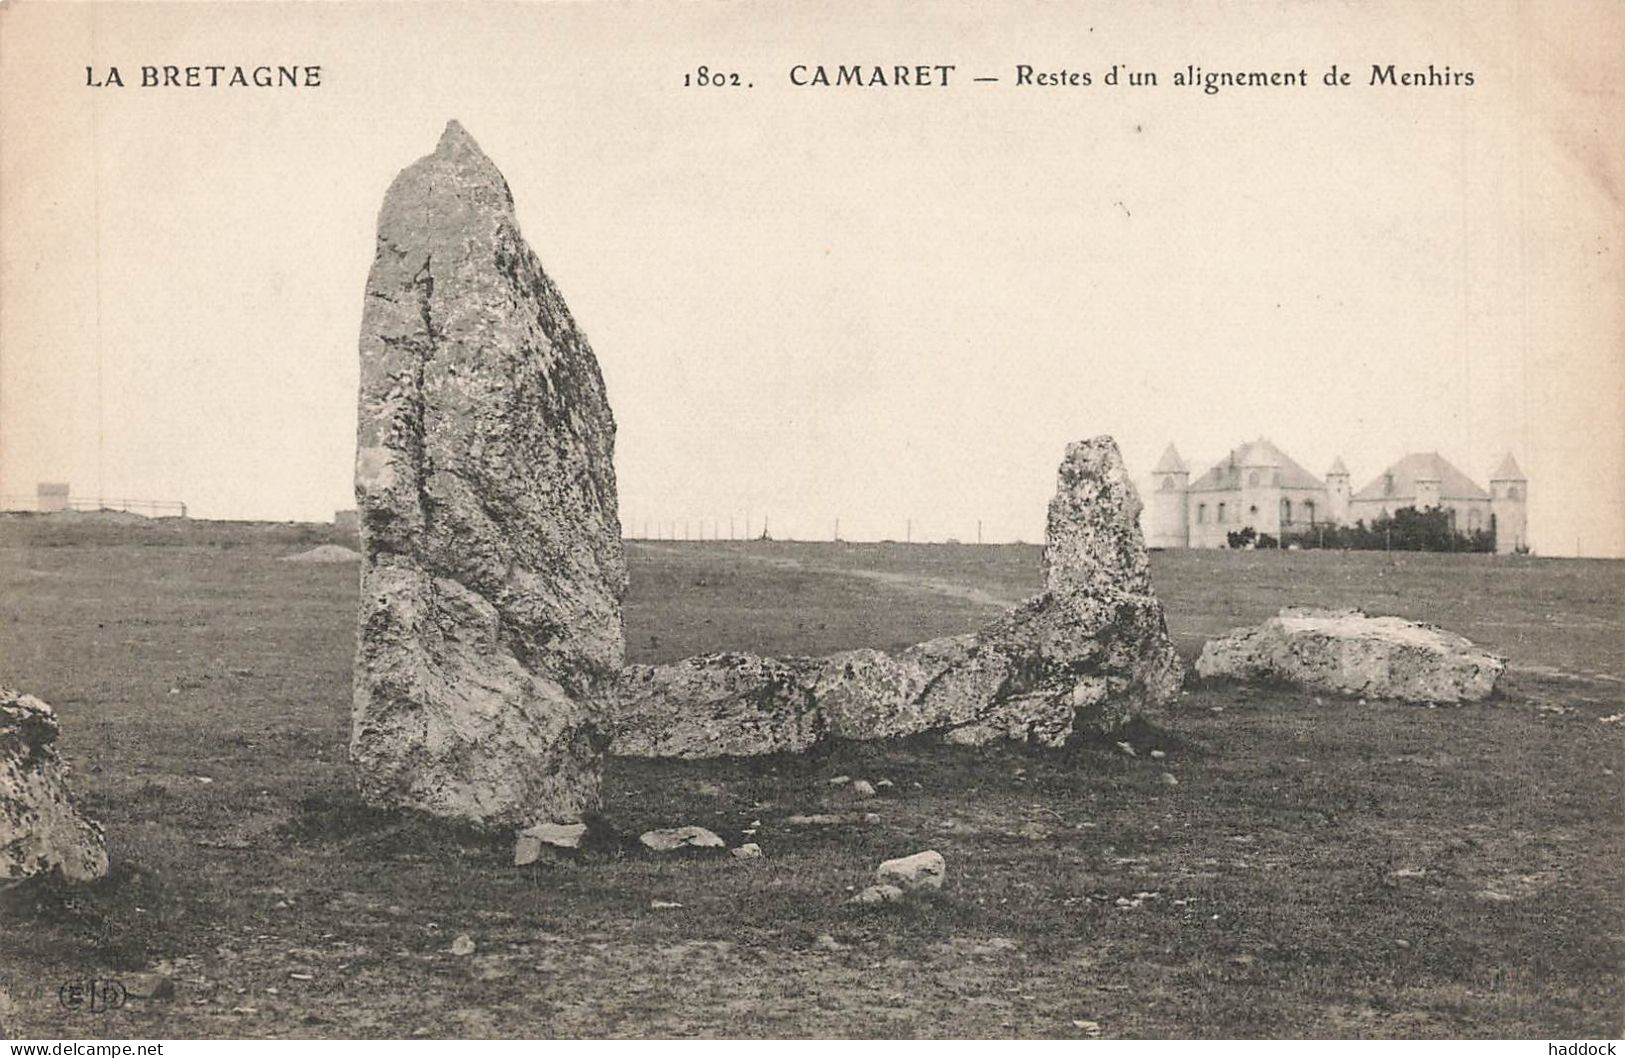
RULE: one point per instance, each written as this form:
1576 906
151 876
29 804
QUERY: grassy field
1321 868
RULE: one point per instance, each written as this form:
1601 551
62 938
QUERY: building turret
1509 507
1338 492
1168 512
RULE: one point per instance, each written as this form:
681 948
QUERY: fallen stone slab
1086 655
716 705
41 830
1351 653
490 630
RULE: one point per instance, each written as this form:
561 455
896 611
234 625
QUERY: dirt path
906 581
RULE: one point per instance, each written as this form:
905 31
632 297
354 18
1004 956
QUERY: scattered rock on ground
1168 779
528 846
863 788
878 894
681 838
923 870
492 564
463 945
148 985
41 831
1351 653
748 851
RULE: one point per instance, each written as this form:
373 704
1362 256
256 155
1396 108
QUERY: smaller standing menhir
40 829
492 566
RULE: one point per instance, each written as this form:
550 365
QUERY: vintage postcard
1032 520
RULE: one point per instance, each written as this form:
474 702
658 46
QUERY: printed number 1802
705 77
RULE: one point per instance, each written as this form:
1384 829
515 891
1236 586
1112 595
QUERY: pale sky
871 304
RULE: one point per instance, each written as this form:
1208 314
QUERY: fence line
149 508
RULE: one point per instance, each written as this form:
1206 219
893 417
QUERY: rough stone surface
681 838
41 832
1086 654
716 705
923 870
1348 652
492 572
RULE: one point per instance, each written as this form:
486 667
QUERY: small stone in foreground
923 870
878 894
148 985
527 848
748 851
681 837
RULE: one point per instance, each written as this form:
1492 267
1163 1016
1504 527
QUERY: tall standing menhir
493 572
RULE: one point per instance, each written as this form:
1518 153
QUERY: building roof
1398 482
1225 475
1508 470
1170 463
1338 468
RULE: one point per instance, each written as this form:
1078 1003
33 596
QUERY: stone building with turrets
1260 487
